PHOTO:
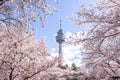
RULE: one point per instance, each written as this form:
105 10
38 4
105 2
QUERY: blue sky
66 10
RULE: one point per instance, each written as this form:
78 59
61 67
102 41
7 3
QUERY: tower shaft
60 55
60 47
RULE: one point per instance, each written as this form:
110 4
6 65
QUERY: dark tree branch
2 2
11 74
112 34
107 72
2 63
111 68
43 68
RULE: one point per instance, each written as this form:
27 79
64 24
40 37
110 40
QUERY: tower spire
60 23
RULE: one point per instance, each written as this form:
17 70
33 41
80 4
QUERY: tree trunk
11 74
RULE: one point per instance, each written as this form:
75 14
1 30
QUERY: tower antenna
60 23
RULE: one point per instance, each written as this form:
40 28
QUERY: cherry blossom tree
21 12
22 57
101 44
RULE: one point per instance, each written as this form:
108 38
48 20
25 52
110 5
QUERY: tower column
60 47
60 61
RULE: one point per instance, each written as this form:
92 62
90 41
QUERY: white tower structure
60 39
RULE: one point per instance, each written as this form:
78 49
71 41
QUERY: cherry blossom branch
43 68
112 34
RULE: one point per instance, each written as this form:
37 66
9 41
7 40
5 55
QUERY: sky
66 9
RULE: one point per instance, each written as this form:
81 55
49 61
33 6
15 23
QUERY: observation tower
60 39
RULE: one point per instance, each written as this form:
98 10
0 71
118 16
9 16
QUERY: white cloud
55 34
68 34
53 50
71 53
